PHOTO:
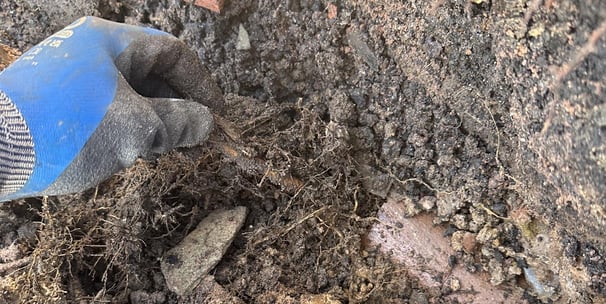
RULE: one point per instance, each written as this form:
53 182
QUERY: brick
213 5
423 251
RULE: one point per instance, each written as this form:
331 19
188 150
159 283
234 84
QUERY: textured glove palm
73 111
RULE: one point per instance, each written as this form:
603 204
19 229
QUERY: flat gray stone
185 265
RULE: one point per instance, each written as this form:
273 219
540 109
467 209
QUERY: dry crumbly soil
491 111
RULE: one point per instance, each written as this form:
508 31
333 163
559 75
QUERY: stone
185 265
243 42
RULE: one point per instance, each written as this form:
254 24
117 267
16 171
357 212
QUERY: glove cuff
17 155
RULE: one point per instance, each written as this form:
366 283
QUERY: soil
488 115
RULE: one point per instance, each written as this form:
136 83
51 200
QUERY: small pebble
455 284
243 43
427 202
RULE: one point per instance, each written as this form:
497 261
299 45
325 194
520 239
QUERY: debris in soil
213 5
426 253
186 264
543 292
362 50
243 43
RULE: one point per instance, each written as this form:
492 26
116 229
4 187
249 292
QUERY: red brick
213 5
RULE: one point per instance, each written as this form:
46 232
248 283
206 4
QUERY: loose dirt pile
488 115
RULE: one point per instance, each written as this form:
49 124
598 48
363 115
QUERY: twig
257 166
302 220
414 179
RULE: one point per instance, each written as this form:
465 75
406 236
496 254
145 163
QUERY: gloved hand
73 111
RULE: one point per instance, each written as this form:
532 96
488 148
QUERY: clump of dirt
455 108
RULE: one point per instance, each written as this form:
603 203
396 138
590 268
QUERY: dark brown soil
495 110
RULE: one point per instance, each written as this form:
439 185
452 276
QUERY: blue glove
91 99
